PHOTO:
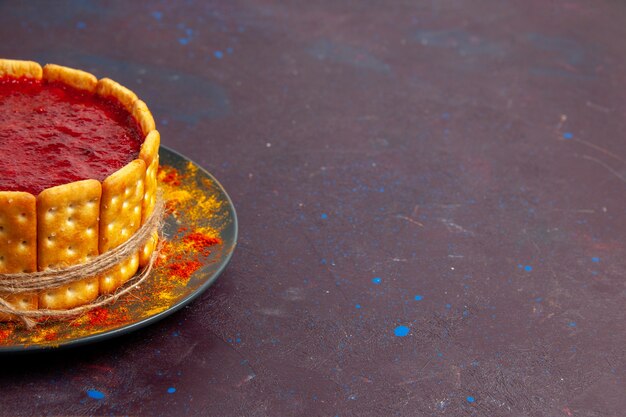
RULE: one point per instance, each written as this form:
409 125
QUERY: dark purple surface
470 155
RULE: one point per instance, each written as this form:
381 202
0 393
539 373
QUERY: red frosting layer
52 134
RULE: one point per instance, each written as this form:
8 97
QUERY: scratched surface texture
431 197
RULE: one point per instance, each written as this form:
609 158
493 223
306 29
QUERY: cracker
150 147
142 115
67 224
22 301
120 209
148 204
119 274
15 68
78 79
150 155
18 232
108 88
67 234
150 191
146 252
18 244
69 296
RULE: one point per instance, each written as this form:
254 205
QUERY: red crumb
50 336
183 269
170 177
201 243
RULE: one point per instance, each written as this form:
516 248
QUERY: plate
201 235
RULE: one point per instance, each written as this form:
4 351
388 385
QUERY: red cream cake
63 135
78 165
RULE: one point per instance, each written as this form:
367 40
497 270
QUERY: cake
78 177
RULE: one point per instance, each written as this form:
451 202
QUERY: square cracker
122 197
18 232
15 68
22 301
78 79
67 234
150 190
146 252
142 115
119 274
150 155
108 88
150 147
148 204
69 296
67 224
120 211
18 243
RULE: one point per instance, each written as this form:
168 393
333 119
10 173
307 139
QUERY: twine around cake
43 280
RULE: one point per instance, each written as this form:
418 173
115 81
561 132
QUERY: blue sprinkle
381 189
528 268
157 15
448 306
171 390
376 280
81 25
439 354
238 340
538 299
218 54
470 399
595 259
418 297
183 41
176 333
401 331
323 261
572 324
357 306
95 394
568 135
324 216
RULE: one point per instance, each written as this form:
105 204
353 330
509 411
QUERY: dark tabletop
431 197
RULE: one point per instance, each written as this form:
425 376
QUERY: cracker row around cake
70 223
